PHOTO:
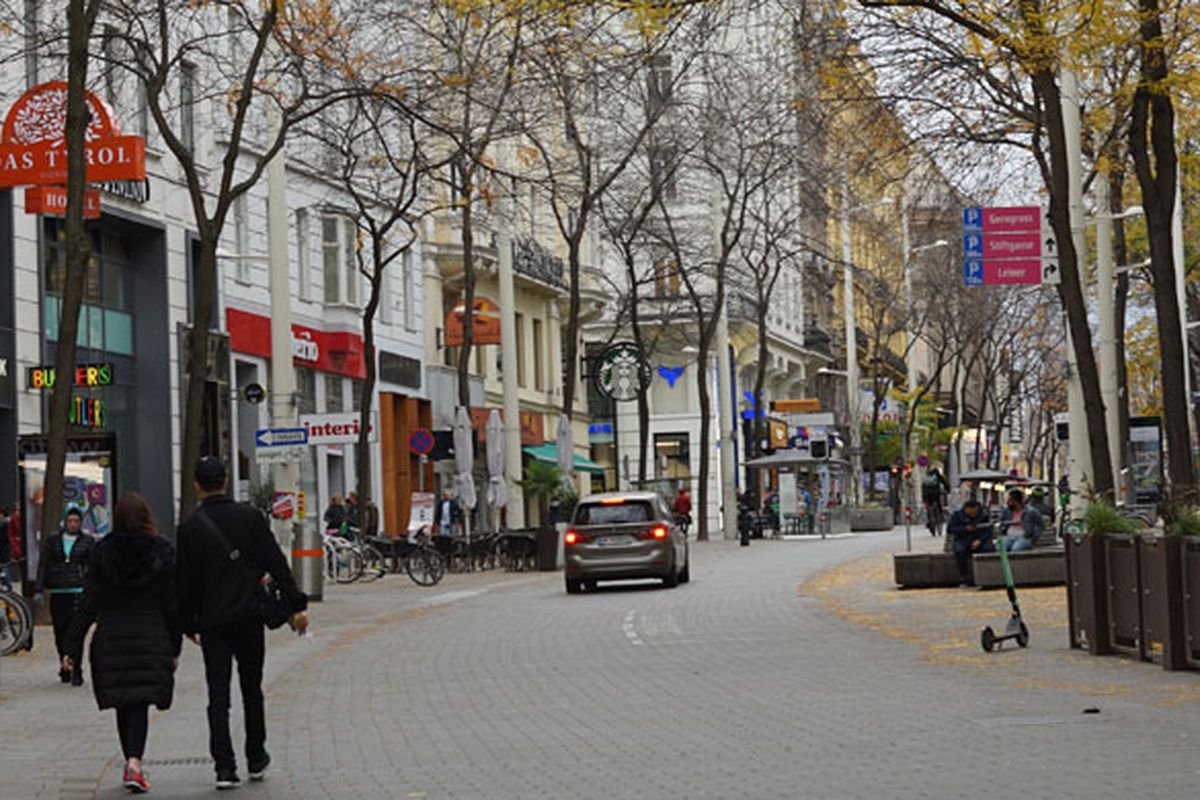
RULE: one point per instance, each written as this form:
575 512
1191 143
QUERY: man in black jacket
219 603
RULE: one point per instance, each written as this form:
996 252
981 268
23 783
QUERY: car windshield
612 513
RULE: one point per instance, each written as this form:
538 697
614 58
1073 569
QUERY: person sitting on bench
1021 523
971 531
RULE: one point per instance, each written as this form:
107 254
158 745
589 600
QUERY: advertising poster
1145 458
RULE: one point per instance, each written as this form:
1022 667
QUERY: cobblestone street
784 670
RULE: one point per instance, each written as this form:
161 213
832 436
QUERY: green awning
548 452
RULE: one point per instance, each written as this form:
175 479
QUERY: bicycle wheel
425 566
348 564
373 564
16 623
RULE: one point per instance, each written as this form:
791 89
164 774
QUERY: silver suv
623 535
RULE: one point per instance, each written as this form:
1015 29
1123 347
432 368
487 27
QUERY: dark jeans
133 723
963 553
241 639
62 613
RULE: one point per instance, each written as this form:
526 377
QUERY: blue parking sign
973 273
973 245
973 218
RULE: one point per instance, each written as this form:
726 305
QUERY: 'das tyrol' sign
33 147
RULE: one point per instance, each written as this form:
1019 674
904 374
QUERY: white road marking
630 630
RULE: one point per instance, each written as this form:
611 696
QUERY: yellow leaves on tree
1143 368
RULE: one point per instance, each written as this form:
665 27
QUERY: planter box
1161 574
1044 567
870 519
1190 573
1087 606
925 570
1123 584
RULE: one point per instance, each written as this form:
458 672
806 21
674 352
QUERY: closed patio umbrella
497 490
464 465
564 442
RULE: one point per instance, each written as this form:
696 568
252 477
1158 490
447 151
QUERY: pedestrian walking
225 548
130 595
62 570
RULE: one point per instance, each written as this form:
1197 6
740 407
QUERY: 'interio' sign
33 148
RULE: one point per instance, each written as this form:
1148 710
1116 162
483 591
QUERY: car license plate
611 541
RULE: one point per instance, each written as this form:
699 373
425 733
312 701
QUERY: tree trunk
702 502
1153 127
643 403
468 265
1120 303
78 248
197 368
362 451
571 335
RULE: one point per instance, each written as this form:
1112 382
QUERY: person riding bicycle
683 507
933 491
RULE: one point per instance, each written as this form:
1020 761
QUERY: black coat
213 589
56 570
130 595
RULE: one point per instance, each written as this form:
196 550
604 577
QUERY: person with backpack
62 570
225 548
933 491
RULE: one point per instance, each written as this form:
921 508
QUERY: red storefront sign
33 148
52 201
340 352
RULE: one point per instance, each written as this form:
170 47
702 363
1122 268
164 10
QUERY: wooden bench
1036 567
925 570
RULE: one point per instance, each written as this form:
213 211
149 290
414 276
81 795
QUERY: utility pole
728 478
515 516
1181 297
851 346
283 373
1079 449
1107 329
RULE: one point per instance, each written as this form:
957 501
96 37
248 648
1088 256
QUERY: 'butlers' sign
33 148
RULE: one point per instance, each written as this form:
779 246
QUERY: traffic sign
254 393
973 273
420 441
1013 245
283 454
923 461
280 437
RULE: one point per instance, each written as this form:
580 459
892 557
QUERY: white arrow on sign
278 437
1051 274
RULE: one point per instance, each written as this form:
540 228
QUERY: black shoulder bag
272 604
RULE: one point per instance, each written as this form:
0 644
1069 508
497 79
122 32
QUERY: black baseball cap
73 511
210 471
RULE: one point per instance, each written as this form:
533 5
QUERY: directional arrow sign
1050 271
280 437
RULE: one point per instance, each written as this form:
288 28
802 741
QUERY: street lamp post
852 390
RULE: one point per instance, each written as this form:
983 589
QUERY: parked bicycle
16 617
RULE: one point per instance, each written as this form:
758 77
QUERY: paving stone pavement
783 670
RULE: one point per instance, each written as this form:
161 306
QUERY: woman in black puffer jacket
130 595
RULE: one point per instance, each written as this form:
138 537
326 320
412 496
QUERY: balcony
534 261
818 341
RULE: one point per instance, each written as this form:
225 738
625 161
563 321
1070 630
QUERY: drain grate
184 761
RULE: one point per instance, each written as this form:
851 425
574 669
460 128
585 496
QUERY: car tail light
659 532
574 537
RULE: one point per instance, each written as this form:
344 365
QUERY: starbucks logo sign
621 372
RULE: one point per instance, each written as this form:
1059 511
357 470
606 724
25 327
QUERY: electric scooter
1015 629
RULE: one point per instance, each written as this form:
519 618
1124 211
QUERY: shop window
306 390
411 276
339 251
105 316
356 393
334 399
671 456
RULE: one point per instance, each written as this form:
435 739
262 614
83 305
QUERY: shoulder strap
233 553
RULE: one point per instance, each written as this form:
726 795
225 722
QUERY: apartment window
662 172
520 349
538 368
108 47
143 111
411 276
658 83
32 30
106 316
334 399
306 390
241 238
666 277
340 260
384 310
187 107
303 264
